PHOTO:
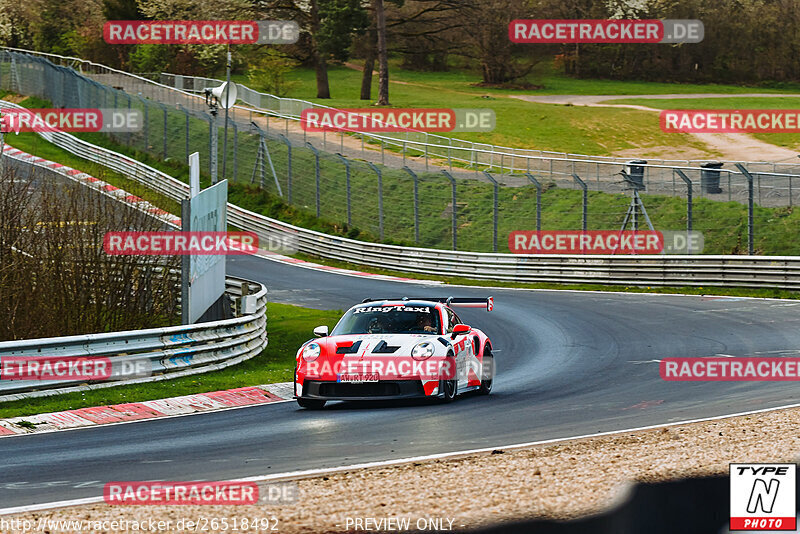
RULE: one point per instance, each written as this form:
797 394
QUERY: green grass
288 327
522 124
789 140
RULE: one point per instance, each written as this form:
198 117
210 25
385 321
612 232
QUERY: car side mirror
321 331
461 329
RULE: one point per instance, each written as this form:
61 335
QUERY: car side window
452 320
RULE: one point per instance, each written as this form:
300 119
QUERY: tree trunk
383 59
320 65
369 61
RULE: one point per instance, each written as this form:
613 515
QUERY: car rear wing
453 302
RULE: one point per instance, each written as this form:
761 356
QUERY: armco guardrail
169 352
659 270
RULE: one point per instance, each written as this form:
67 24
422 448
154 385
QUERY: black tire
311 404
487 372
448 389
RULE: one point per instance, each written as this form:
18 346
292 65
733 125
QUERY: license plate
358 378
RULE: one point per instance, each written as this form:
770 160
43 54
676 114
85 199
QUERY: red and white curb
154 409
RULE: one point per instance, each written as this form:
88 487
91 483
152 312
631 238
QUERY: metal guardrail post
146 125
688 183
416 202
316 170
455 208
538 185
750 228
347 185
289 166
377 171
585 199
495 210
166 129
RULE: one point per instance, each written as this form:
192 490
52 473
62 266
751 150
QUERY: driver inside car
425 323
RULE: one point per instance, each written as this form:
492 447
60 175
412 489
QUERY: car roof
416 302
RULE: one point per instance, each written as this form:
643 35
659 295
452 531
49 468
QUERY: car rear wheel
487 372
311 404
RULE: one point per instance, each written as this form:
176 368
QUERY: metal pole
495 210
186 262
688 183
214 141
316 171
455 209
347 185
227 88
377 171
585 198
538 185
750 228
289 166
165 131
416 203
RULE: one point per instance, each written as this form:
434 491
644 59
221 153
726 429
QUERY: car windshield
398 319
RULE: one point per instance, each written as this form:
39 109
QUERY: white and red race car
396 349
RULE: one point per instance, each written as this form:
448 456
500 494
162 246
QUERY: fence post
585 198
289 165
186 114
166 131
455 208
316 170
347 184
688 183
146 125
235 149
495 210
538 185
750 228
377 171
416 203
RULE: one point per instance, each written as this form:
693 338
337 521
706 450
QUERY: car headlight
311 352
422 350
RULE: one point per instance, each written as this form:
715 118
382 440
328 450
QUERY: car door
462 346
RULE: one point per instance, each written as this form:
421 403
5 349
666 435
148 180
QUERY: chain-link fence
371 192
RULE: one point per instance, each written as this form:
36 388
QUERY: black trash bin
709 177
635 172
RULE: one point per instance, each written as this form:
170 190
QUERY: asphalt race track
569 364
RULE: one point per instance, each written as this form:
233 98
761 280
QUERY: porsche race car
396 349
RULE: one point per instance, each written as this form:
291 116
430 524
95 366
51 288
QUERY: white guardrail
155 353
643 270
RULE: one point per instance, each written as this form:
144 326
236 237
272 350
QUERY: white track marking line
309 473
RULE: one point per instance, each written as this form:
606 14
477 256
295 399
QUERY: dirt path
730 146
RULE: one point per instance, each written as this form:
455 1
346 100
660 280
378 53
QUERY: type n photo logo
763 496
